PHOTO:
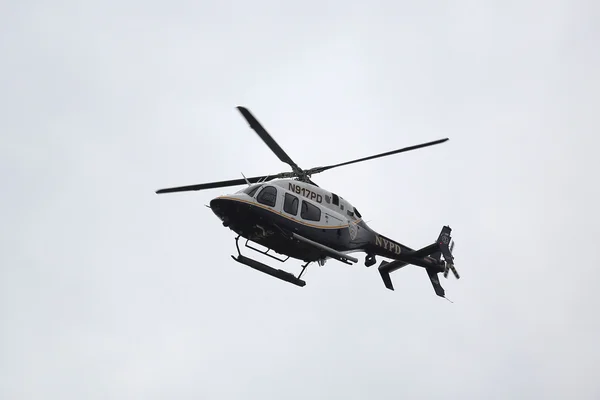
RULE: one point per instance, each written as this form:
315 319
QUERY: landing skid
277 273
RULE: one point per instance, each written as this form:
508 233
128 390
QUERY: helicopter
290 215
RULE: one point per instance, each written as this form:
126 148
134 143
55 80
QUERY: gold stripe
284 215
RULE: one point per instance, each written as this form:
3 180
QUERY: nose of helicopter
231 210
217 206
222 209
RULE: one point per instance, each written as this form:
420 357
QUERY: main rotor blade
212 185
317 170
269 141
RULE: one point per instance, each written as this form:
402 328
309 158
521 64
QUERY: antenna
246 179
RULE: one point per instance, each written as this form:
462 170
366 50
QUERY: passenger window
267 196
290 205
310 212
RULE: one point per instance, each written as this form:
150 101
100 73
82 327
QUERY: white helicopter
289 214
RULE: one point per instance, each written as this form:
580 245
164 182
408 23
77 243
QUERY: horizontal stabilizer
437 287
426 251
386 268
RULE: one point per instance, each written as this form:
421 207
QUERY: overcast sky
109 291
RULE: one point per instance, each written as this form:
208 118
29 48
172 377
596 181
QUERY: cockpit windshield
251 190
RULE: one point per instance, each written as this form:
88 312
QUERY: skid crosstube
277 273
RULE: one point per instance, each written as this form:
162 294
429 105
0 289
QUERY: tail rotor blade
454 271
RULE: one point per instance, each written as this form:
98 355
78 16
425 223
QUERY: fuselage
267 213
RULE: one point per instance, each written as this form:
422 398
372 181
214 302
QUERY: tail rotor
446 244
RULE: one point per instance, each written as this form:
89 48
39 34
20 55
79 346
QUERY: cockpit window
267 196
250 190
357 213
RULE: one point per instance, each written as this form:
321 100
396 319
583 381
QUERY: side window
336 199
310 212
290 205
267 196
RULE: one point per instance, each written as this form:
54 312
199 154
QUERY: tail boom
428 257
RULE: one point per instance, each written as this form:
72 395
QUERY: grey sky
110 291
